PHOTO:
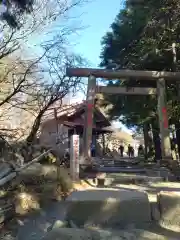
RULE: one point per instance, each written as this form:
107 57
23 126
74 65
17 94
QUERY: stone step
121 170
111 179
132 179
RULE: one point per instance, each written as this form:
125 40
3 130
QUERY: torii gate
92 89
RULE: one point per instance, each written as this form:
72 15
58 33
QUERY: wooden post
91 93
163 120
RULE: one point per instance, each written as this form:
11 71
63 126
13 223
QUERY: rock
169 204
59 224
26 202
67 234
108 207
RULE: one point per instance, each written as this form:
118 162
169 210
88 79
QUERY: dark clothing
140 151
93 153
130 151
67 155
121 148
93 150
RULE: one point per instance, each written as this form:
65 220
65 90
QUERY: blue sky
97 16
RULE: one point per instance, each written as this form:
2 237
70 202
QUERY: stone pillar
74 157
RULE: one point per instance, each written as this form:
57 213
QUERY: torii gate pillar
163 120
89 116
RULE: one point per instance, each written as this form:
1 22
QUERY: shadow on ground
34 225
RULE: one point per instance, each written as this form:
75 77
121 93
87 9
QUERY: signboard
74 157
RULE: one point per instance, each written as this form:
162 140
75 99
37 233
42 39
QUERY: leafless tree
48 85
44 14
15 70
56 88
32 85
11 11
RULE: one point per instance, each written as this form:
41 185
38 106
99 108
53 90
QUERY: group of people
130 151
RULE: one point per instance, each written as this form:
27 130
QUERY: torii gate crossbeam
126 91
160 77
111 74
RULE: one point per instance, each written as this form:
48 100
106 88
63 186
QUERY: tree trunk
146 139
27 151
35 128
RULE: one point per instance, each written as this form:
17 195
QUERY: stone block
169 205
108 207
99 234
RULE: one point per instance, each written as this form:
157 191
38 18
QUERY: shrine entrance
93 89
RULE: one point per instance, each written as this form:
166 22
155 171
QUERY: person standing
132 152
93 150
121 149
140 151
129 151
